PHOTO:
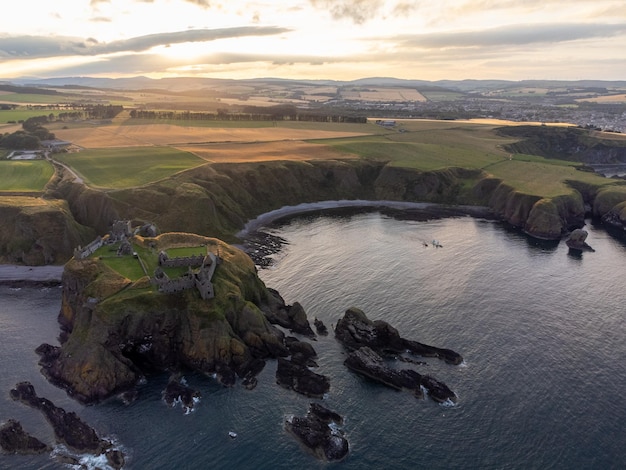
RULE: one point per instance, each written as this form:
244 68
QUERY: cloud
517 35
359 11
39 46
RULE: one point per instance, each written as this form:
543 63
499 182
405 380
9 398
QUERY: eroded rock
355 330
14 440
576 240
299 378
68 428
367 362
177 391
319 433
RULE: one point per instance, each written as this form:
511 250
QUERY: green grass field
25 175
35 99
23 114
130 267
119 168
400 151
543 178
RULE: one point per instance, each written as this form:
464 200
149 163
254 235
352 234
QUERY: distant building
55 145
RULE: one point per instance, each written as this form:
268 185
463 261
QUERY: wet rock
367 362
301 352
293 317
68 428
576 240
178 392
250 372
300 379
355 330
319 433
14 440
320 327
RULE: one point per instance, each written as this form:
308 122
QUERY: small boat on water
232 434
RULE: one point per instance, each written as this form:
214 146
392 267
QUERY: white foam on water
447 404
84 461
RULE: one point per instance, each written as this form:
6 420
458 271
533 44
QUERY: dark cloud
138 64
38 46
358 11
518 35
142 43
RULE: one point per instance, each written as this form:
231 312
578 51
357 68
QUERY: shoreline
268 218
18 276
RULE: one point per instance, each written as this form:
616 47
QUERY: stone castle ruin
199 278
120 231
200 268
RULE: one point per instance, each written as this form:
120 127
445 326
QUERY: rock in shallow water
319 433
14 440
299 378
68 428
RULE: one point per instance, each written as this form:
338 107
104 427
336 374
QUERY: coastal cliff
218 199
116 331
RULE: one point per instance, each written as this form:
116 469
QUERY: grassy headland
24 175
128 167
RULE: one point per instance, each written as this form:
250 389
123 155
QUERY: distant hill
191 83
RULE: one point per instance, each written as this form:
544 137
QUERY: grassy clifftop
117 329
528 175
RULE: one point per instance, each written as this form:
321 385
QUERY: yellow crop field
166 134
384 94
265 151
607 99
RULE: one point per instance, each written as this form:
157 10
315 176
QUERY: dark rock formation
68 428
368 363
355 330
576 240
299 378
293 317
320 327
301 352
177 392
319 434
14 440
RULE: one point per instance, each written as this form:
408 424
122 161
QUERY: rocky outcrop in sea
320 433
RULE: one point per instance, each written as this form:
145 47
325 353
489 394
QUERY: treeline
251 113
92 111
30 137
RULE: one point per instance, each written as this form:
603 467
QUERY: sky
316 39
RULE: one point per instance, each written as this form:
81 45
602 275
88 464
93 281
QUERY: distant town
590 104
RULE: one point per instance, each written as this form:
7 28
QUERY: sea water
541 330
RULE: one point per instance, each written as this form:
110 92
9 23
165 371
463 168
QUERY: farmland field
175 135
118 168
23 114
265 151
24 176
542 178
383 94
24 98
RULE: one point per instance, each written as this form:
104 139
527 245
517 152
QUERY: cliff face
217 200
565 143
35 231
115 332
